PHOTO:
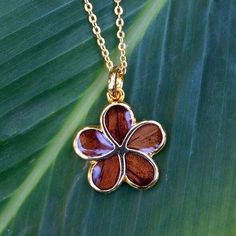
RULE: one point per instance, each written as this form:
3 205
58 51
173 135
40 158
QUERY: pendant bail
115 83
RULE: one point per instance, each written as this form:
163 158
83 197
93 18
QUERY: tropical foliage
181 73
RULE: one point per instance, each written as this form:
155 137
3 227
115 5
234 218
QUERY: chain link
101 41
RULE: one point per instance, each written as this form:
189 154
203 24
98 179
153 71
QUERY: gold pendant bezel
122 176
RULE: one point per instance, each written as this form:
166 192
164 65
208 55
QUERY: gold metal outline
102 119
119 180
156 172
140 124
85 157
122 176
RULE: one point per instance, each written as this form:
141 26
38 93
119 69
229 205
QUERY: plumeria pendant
121 149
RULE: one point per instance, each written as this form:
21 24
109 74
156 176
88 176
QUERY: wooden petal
105 173
92 143
148 137
141 171
118 121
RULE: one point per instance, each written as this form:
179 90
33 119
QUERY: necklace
120 149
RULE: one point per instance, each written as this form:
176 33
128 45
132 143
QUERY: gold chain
101 41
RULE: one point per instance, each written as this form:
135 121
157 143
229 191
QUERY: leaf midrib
16 80
48 157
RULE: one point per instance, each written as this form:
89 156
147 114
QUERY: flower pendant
121 149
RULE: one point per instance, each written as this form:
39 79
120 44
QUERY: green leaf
53 80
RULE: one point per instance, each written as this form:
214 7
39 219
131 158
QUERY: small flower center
121 150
